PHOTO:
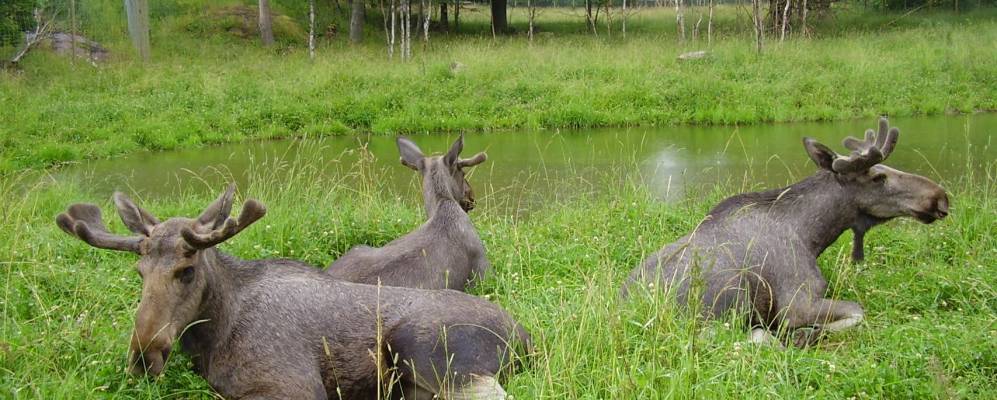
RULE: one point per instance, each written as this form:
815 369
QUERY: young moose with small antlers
445 252
757 252
283 329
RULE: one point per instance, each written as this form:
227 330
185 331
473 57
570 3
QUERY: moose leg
478 388
838 315
858 245
823 315
762 336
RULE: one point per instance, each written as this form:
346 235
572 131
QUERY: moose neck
219 305
818 209
436 194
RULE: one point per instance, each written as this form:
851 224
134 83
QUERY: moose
756 253
283 329
445 252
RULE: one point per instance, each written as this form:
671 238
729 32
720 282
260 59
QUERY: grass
928 291
205 86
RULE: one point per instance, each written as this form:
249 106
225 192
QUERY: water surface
527 169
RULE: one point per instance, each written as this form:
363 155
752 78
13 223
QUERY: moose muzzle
151 343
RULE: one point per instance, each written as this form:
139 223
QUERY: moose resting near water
757 252
283 329
445 252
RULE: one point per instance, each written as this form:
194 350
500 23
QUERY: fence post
138 25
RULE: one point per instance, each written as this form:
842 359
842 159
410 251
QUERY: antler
252 211
84 221
865 153
470 162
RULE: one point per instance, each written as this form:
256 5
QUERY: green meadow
929 291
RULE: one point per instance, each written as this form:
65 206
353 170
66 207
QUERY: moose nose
942 206
150 362
149 352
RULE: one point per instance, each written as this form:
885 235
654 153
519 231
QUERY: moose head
443 176
879 191
176 265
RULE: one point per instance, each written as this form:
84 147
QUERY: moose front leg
858 245
808 322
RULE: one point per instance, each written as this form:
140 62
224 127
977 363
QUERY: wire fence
68 27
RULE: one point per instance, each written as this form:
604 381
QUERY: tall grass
928 291
206 89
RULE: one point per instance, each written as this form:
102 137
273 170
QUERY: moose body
282 329
756 253
445 252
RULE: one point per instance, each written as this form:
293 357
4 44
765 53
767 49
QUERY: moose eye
185 275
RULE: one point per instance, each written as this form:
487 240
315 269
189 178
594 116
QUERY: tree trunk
500 22
680 19
138 26
588 16
532 12
785 19
757 16
456 15
425 21
394 13
625 18
311 29
803 20
709 27
356 21
444 16
266 23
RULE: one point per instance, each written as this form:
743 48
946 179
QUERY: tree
266 23
356 21
15 18
500 23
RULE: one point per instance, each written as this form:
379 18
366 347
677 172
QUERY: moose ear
411 155
214 216
135 218
454 153
821 154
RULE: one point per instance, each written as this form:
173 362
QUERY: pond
527 169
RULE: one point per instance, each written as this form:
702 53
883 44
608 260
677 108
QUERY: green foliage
15 18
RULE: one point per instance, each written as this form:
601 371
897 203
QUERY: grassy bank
928 291
204 89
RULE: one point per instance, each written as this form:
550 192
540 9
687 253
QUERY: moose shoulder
445 252
282 329
757 252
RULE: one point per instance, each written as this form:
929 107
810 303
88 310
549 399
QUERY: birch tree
680 19
709 27
311 29
757 17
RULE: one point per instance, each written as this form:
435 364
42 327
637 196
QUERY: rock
64 44
693 55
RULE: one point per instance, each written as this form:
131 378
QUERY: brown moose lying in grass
445 252
284 329
757 252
